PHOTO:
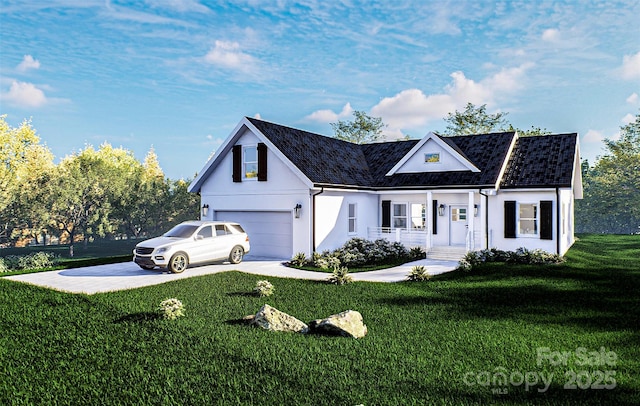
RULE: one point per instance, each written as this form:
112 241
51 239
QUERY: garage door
270 232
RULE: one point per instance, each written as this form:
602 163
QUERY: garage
270 232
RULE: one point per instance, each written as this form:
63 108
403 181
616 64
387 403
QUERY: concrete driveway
127 275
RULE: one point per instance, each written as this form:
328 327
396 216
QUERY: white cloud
593 136
28 63
25 94
228 55
551 35
633 98
411 108
629 118
631 66
328 116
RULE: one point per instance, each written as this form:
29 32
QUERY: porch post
470 221
429 221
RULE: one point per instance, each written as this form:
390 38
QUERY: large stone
270 318
347 324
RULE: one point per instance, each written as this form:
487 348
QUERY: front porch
419 238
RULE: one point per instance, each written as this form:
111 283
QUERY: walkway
127 275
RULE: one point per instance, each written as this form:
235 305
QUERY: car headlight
161 250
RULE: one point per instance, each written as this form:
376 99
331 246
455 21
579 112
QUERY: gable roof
542 161
494 160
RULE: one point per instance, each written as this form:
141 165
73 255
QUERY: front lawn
429 343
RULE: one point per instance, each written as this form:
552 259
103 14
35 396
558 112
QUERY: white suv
193 242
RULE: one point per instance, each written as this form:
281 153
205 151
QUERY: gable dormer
433 154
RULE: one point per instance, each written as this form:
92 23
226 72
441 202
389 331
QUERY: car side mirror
199 237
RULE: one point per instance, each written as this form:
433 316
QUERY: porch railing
408 237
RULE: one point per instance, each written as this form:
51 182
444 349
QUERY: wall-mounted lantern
205 210
441 210
475 210
297 210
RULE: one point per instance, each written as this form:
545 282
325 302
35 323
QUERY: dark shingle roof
541 161
328 161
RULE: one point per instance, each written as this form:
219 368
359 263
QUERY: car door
201 247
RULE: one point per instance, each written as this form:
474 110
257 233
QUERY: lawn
429 343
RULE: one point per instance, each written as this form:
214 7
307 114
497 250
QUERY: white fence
408 237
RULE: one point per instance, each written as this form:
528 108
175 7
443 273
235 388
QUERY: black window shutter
434 214
510 219
262 162
546 220
237 163
386 214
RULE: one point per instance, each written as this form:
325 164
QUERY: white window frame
352 220
245 162
536 220
404 217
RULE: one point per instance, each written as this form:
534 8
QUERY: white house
295 191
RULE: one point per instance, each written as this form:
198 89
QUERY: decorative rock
270 318
347 324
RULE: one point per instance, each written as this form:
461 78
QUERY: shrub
416 253
3 267
264 288
171 309
418 274
36 260
300 259
520 256
340 276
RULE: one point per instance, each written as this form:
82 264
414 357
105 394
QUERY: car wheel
178 262
236 255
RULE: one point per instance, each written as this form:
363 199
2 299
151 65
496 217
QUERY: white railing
408 237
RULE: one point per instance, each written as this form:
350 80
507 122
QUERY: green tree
612 187
362 130
474 120
24 167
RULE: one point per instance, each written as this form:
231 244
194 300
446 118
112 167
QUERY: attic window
432 157
250 162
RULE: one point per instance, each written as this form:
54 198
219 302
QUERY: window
250 162
400 215
528 219
432 157
221 230
205 232
418 213
458 214
352 218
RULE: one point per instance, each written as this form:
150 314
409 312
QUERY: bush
36 260
340 276
3 267
520 256
416 253
264 288
300 259
171 309
418 274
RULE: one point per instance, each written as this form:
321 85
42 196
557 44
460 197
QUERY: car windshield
181 231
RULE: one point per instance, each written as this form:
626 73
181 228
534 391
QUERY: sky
178 75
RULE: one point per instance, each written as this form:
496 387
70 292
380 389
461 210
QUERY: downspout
486 217
313 217
558 220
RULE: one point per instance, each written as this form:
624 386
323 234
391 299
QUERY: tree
612 187
474 120
362 130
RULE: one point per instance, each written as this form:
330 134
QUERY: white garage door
270 232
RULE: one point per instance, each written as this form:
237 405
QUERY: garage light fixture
205 210
297 210
441 210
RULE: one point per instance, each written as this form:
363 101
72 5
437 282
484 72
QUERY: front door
458 225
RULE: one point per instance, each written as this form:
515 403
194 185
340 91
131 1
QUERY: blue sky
178 75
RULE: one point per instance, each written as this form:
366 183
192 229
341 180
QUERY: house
296 191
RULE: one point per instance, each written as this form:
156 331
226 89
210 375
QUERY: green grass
424 338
